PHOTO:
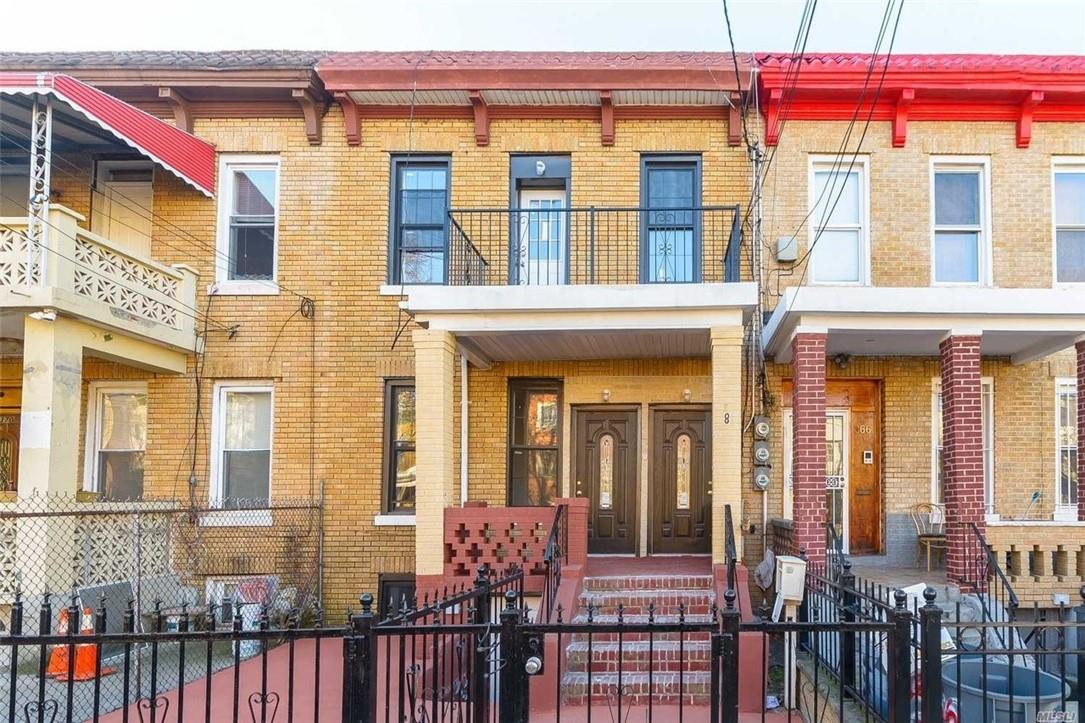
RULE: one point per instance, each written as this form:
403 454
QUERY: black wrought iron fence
554 556
595 245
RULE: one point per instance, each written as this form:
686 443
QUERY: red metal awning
186 156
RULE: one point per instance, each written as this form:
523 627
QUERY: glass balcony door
542 223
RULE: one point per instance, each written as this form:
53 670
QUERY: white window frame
218 430
988 448
1066 164
95 392
1064 512
819 163
223 283
965 164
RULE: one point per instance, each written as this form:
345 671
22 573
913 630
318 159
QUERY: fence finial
930 595
367 603
510 599
729 597
900 598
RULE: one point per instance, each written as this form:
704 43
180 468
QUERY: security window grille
534 441
243 436
987 422
1066 442
838 224
671 193
248 216
420 204
400 459
960 236
119 442
1070 224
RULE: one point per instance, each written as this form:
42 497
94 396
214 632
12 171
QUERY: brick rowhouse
962 448
808 443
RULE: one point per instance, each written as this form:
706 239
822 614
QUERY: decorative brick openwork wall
962 448
808 444
1080 347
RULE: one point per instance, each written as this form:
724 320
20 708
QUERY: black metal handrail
984 576
594 245
834 549
489 586
729 550
554 555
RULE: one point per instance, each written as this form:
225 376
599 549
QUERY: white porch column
436 484
726 344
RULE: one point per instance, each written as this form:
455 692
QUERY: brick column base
962 453
808 444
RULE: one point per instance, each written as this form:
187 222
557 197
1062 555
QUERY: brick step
636 602
648 582
641 619
662 656
666 689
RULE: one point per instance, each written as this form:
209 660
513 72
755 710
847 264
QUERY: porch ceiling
1022 324
577 345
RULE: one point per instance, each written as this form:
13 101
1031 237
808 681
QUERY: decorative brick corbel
1024 117
772 116
900 117
351 118
182 111
312 110
606 118
482 118
734 119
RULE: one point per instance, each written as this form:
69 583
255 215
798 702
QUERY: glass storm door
541 252
836 470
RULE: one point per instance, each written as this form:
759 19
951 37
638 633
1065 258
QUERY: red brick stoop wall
808 444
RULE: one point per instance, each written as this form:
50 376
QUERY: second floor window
419 213
248 220
1070 224
961 226
671 193
838 222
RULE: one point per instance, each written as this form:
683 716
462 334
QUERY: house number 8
726 417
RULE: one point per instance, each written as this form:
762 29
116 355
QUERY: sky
961 26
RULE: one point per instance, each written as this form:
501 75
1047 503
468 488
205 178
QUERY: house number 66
863 428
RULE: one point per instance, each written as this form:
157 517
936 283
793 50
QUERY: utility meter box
790 578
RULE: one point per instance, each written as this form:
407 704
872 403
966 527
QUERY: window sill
243 288
237 518
387 520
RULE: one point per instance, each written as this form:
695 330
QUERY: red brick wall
808 444
1080 347
962 447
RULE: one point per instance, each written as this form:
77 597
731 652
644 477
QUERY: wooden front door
606 473
9 447
852 461
681 478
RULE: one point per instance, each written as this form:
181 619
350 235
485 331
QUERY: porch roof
186 156
1022 324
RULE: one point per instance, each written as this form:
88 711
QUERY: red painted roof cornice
471 70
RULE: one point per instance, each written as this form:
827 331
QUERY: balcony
89 277
585 246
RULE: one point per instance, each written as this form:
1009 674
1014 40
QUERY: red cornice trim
1024 120
351 119
606 118
773 98
482 119
734 119
900 117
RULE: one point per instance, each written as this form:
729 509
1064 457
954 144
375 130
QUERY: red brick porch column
962 448
808 443
1080 347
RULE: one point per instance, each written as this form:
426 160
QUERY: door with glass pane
541 223
670 223
606 473
836 471
681 463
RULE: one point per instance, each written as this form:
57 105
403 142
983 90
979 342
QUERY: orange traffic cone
86 655
58 657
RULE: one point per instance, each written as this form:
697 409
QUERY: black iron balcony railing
557 246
